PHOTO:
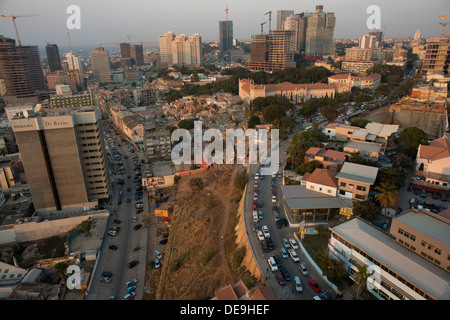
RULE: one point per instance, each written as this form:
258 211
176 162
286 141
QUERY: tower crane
262 28
444 25
270 19
226 27
14 17
129 37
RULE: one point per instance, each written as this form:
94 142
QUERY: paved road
286 292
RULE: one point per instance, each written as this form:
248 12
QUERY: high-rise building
437 56
368 42
100 65
137 54
281 17
225 36
21 71
180 50
272 52
62 154
74 63
417 36
125 50
319 32
53 58
379 35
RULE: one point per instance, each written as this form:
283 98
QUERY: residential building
401 274
71 101
367 150
137 54
321 180
181 50
58 77
358 54
53 58
425 233
433 163
21 70
297 93
417 36
330 159
157 143
436 56
225 36
125 50
371 81
6 175
368 42
282 15
355 181
100 65
62 154
358 67
74 62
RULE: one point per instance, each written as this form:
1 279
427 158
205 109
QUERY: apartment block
71 101
437 56
355 181
100 65
179 50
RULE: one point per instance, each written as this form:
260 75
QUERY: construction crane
444 25
270 19
270 23
262 28
129 37
14 17
226 27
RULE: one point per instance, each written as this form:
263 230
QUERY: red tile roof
335 154
324 177
313 150
437 149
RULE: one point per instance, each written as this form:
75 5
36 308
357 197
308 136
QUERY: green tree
86 226
195 78
186 124
355 157
365 209
386 195
412 137
308 167
253 122
61 269
360 122
382 89
393 176
273 113
361 279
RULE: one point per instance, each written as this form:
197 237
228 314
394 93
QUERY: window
343 184
424 244
438 251
400 231
360 188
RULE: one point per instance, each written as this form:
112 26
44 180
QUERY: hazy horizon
107 22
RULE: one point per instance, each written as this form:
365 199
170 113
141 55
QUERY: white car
265 231
134 219
298 284
255 184
294 255
158 255
274 199
260 235
255 196
293 243
303 269
286 243
112 233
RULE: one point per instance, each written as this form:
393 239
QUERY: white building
433 162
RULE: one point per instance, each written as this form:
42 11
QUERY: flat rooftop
372 147
298 197
429 225
383 247
358 172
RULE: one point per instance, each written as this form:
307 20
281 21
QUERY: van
255 216
131 282
272 264
298 284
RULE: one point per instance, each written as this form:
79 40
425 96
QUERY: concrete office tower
225 37
368 42
379 35
62 154
21 71
53 58
296 24
259 52
180 50
417 36
319 38
281 17
74 63
437 56
137 54
100 65
125 51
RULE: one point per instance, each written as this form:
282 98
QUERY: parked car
298 284
286 243
130 283
435 195
158 255
117 221
137 227
280 279
303 269
293 243
132 264
314 285
270 243
131 288
294 255
423 193
265 231
443 197
260 235
157 264
163 241
278 260
113 247
150 264
284 253
107 274
285 273
105 279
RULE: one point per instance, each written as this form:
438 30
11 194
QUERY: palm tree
61 269
386 195
361 279
86 226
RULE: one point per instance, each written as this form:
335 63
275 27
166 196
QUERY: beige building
62 154
157 143
358 67
426 234
70 101
179 50
6 175
297 93
355 181
100 65
372 81
436 55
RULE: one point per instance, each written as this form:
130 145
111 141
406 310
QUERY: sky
110 21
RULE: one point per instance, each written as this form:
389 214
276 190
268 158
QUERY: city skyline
200 16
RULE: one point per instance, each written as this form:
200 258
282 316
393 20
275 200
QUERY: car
285 273
303 269
157 264
286 151
272 264
166 235
423 193
105 279
278 260
325 296
129 296
294 255
314 285
158 255
286 243
150 264
298 284
112 233
137 227
132 264
134 219
265 231
128 200
416 191
130 283
293 243
260 235
278 223
280 279
112 298
117 221
274 209
284 222
131 288
264 246
163 241
435 195
107 274
270 243
255 184
284 253
274 199
255 196
113 247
